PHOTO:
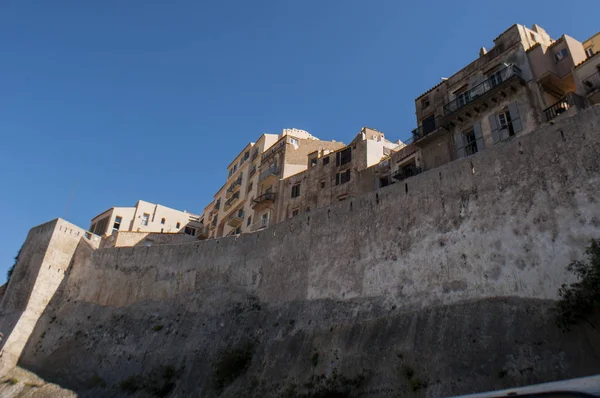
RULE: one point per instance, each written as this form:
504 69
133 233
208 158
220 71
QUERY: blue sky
152 99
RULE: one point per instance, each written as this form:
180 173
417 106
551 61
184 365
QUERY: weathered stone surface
447 278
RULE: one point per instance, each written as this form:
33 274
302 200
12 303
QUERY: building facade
333 175
146 217
246 202
525 80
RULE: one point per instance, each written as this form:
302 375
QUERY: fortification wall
135 238
501 223
44 259
414 274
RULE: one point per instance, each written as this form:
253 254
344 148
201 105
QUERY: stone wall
131 238
413 275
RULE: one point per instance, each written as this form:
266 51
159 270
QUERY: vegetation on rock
579 301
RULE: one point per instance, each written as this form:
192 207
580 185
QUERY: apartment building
521 82
587 73
246 202
146 217
334 175
592 45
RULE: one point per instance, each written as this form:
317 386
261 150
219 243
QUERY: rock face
439 285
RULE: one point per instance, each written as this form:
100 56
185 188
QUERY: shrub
579 301
12 381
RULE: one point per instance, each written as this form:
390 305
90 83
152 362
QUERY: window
145 218
425 102
230 172
246 155
296 191
325 160
495 78
295 212
343 157
178 225
294 141
469 142
322 184
589 51
163 220
504 121
238 230
343 177
313 162
505 124
189 231
249 221
560 55
235 167
117 223
429 124
249 187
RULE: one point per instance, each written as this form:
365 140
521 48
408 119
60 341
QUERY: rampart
502 223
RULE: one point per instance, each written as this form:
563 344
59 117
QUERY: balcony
568 104
407 171
236 219
276 147
591 85
490 89
262 224
231 201
263 201
269 175
234 187
428 128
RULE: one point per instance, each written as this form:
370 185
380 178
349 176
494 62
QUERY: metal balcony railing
406 172
230 201
234 185
273 170
264 197
427 128
482 88
592 82
563 105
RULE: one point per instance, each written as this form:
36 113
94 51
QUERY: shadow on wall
19 289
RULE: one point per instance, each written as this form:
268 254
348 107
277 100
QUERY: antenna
70 199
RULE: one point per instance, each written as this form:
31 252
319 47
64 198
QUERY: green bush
579 301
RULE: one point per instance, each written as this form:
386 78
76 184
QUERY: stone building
146 217
520 83
592 45
333 175
246 201
587 73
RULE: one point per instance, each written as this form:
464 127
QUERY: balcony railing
231 200
269 196
427 128
262 224
271 171
592 82
482 88
236 219
273 149
406 172
234 185
563 105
